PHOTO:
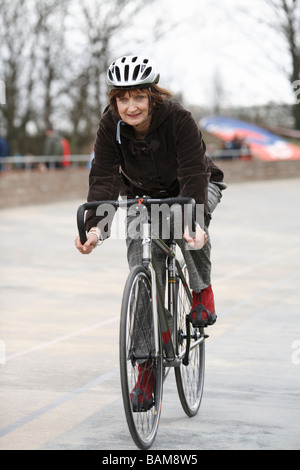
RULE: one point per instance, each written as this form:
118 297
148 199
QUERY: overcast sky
215 38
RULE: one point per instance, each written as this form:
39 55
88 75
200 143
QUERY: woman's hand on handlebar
90 244
199 239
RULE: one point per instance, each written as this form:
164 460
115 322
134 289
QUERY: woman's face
133 107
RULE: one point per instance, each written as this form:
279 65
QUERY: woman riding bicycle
159 149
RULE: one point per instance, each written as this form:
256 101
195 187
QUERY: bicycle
147 336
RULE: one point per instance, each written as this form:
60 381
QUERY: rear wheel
139 362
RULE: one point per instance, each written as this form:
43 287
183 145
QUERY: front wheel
140 364
190 378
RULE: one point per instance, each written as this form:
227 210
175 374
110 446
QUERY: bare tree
14 51
100 22
49 31
31 41
47 78
288 15
218 92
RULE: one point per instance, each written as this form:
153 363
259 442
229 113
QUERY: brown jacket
170 161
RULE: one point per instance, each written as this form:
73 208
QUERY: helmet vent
136 72
110 75
146 73
118 74
126 73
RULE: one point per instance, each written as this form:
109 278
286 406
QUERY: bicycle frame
148 262
159 313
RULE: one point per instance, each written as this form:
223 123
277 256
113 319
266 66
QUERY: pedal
173 362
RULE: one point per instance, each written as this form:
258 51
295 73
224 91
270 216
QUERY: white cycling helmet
132 72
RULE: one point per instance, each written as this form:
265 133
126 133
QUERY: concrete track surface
59 377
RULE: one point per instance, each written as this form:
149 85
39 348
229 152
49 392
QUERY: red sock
206 298
145 380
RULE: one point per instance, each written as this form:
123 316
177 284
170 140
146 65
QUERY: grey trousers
198 261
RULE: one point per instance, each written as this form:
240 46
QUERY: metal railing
31 161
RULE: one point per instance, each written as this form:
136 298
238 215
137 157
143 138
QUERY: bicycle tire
136 316
190 378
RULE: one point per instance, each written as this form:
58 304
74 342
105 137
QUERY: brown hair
157 93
